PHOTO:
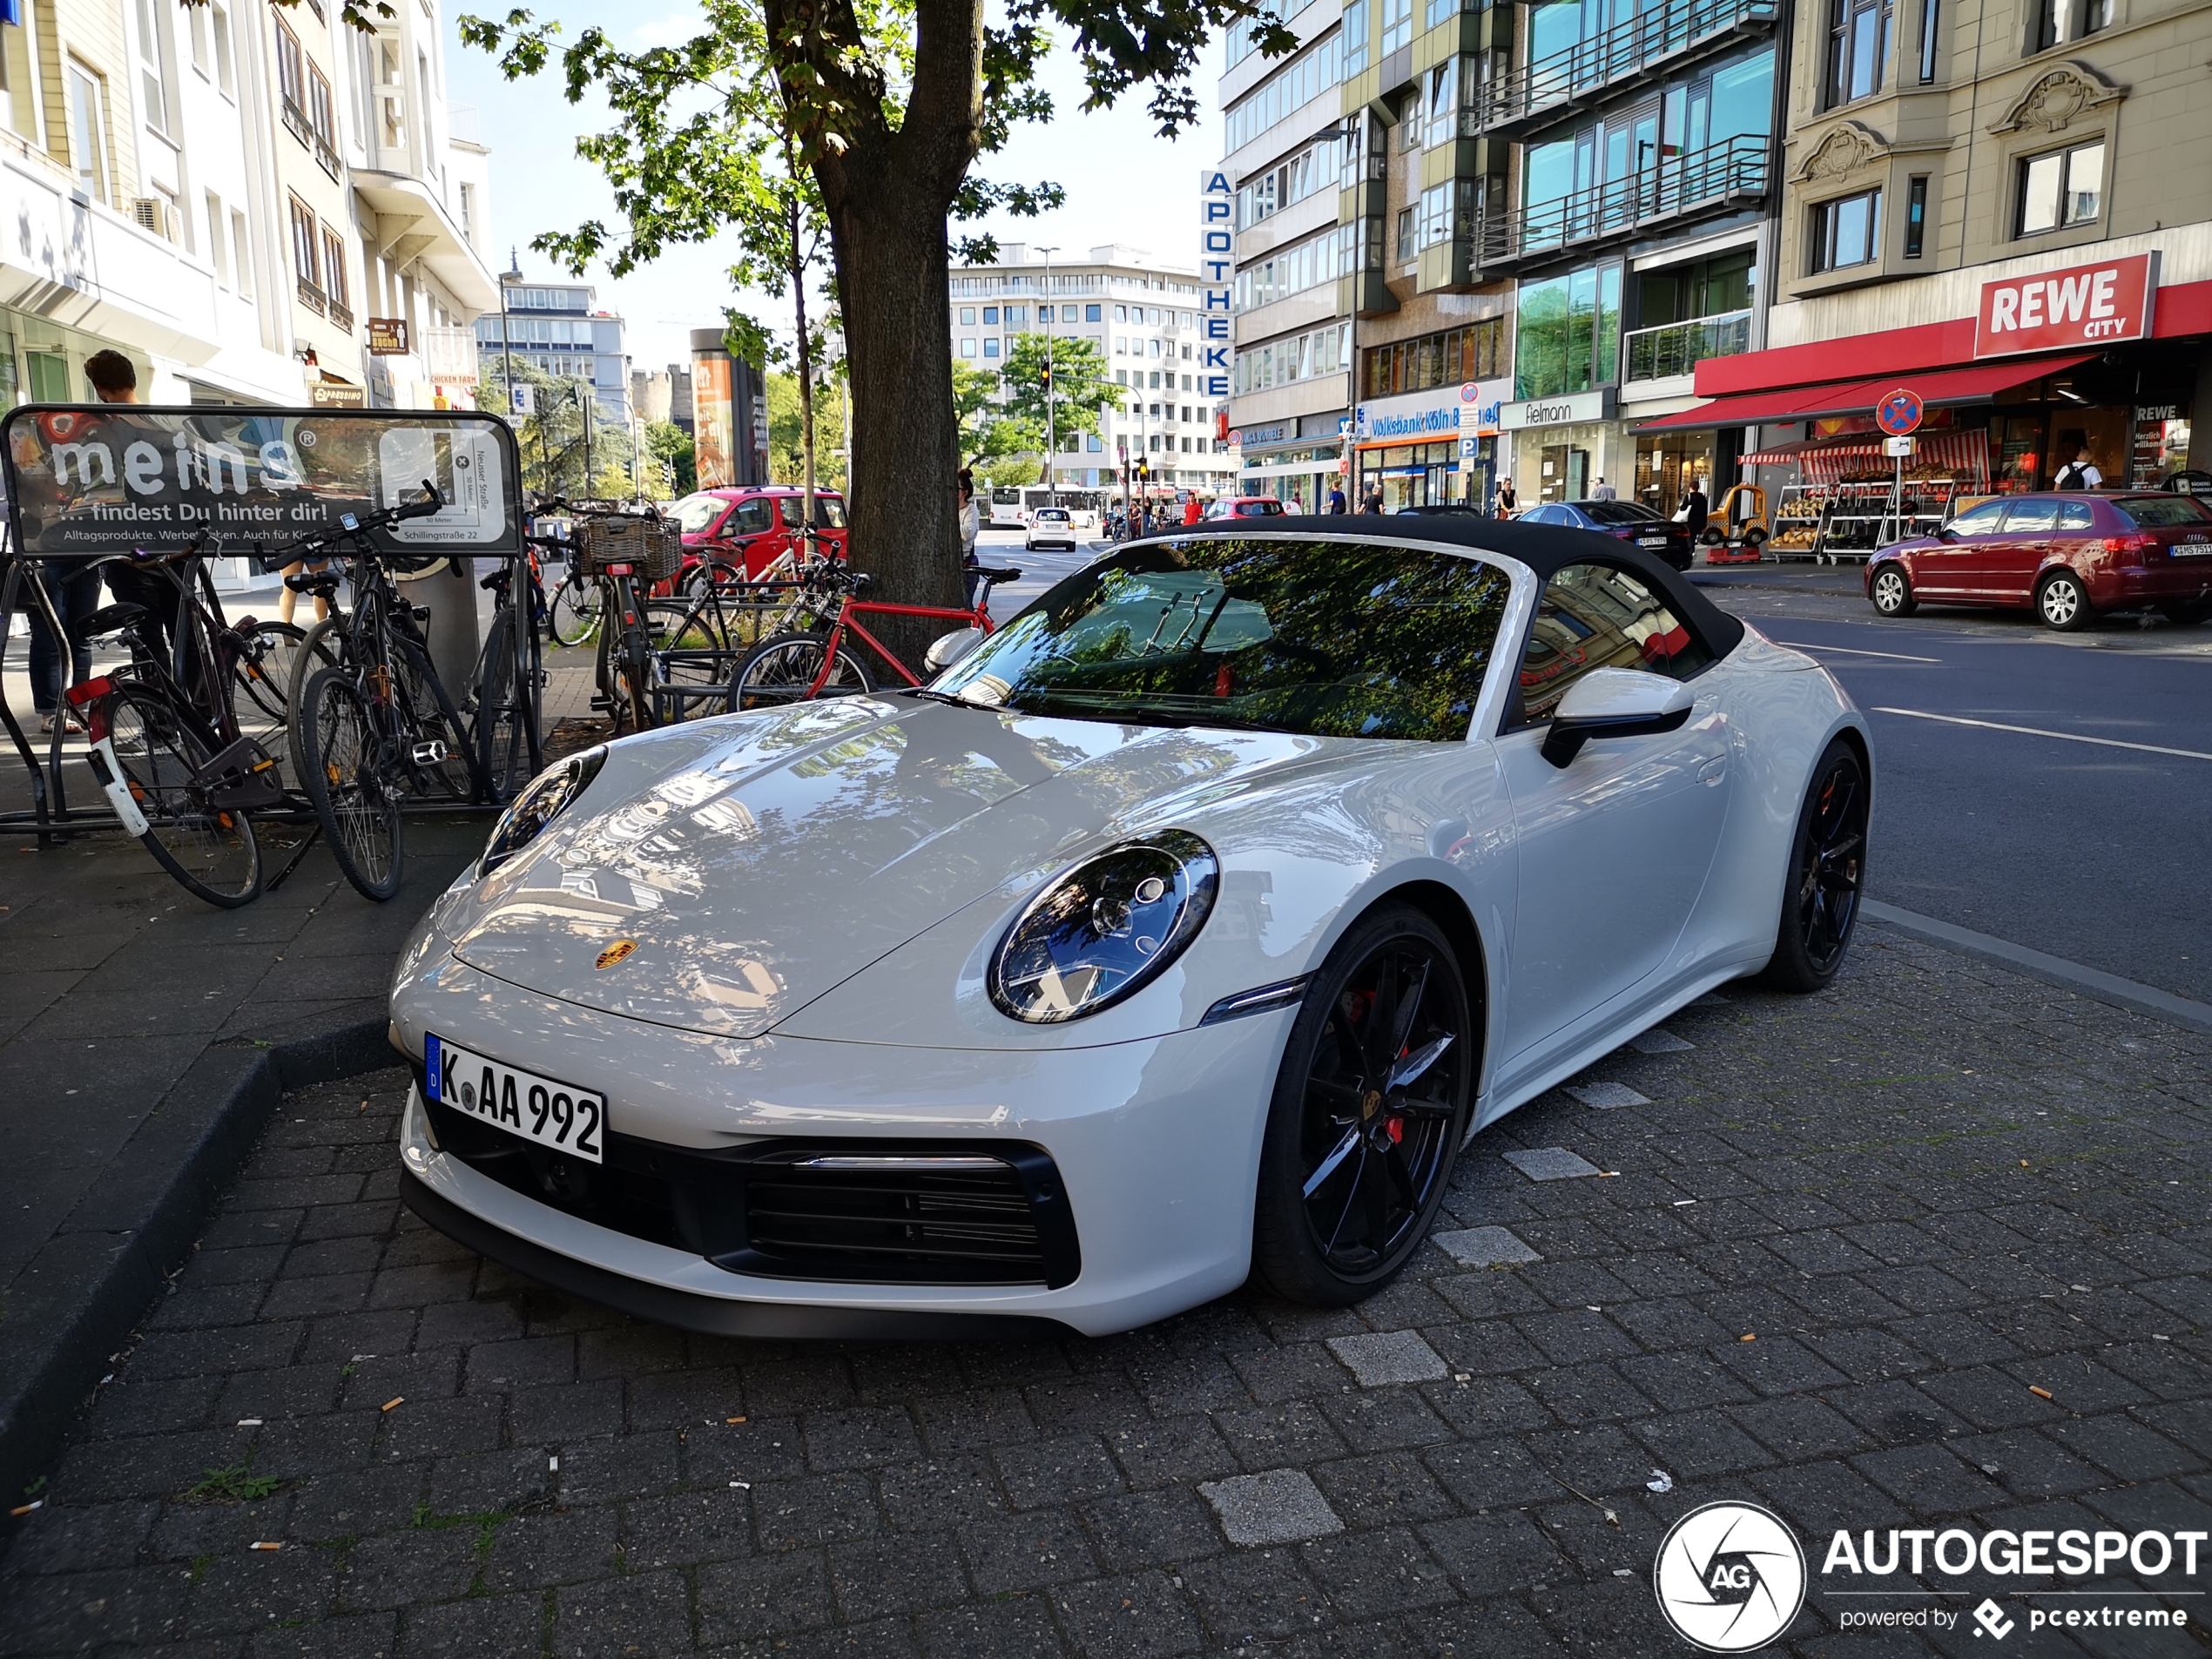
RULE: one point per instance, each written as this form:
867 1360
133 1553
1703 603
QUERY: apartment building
1145 316
183 185
558 329
2005 210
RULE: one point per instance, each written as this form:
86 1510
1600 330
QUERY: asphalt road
2095 852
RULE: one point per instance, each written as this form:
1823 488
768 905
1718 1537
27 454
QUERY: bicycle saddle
1005 573
108 618
314 581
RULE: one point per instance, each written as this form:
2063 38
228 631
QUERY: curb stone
136 1225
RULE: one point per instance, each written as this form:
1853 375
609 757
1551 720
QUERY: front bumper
1155 1144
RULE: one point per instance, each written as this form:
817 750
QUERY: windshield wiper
938 697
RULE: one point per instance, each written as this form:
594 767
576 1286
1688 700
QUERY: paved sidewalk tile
1550 1163
1892 1188
1606 1098
1280 1506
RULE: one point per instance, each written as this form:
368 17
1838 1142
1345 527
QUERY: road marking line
2037 732
1894 656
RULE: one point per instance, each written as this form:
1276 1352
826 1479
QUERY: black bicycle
377 729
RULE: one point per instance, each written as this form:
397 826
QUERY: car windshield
1619 512
1355 639
695 515
2164 512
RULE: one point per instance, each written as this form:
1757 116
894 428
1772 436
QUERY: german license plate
1651 541
555 1114
2192 546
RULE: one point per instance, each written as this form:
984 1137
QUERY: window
88 131
1297 83
2075 518
221 21
217 255
1405 229
468 213
1397 24
2038 515
2062 189
241 254
1931 20
753 517
306 258
321 109
1916 216
1567 333
1091 314
1595 615
968 316
990 347
2058 22
1120 314
1018 316
200 59
1979 520
154 91
1355 38
1846 231
334 270
1859 44
1453 358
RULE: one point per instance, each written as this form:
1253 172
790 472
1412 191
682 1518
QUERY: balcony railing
1729 172
1558 80
1678 348
327 159
296 123
311 297
341 316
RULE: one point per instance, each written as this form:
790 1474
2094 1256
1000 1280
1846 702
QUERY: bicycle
798 667
164 742
510 682
622 553
379 727
701 639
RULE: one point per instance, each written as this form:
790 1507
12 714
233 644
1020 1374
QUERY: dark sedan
1627 521
2067 556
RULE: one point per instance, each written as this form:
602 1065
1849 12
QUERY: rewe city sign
2081 304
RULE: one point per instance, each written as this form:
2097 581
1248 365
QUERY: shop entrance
1669 464
1566 473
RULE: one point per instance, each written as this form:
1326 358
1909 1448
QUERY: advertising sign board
2076 306
1216 263
87 481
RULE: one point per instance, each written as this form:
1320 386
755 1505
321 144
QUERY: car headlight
1097 933
540 801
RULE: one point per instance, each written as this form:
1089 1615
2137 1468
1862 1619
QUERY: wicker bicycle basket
653 547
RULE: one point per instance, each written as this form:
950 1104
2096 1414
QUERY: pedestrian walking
971 526
1373 502
1604 491
75 590
1695 510
1297 503
1192 510
1335 498
2078 473
1508 498
115 379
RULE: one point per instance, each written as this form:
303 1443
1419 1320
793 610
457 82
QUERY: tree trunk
893 266
806 361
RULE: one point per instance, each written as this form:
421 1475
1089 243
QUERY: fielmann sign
92 480
2081 305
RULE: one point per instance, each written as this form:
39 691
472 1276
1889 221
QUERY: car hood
757 861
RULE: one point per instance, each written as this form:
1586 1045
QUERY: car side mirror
1615 703
948 648
1945 533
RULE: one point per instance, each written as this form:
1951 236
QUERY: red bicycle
796 667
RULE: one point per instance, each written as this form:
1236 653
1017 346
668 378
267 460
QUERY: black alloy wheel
1827 874
1370 1107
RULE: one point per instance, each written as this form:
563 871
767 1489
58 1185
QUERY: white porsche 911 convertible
1183 930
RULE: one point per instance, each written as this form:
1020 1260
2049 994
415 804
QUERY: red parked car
753 523
2067 556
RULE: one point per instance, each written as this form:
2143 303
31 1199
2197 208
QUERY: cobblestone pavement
1927 1249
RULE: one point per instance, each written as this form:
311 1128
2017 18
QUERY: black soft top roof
1542 548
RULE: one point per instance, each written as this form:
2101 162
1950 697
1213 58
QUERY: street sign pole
1899 415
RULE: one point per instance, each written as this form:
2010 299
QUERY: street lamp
1051 436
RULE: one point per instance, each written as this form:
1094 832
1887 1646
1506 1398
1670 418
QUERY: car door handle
1713 770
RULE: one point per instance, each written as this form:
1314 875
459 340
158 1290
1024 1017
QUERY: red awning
1982 383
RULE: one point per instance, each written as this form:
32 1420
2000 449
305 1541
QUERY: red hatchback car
753 523
2066 555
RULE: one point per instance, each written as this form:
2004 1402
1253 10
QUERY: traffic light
1047 377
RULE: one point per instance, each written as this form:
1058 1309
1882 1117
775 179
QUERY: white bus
1007 511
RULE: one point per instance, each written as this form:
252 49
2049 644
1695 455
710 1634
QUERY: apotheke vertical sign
1217 264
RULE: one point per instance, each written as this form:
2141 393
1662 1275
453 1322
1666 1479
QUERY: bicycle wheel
503 713
278 659
631 671
782 671
210 849
349 783
324 645
691 656
575 609
428 714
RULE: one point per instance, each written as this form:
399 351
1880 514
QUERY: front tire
1891 593
576 608
350 781
211 850
1369 1110
1827 875
2063 603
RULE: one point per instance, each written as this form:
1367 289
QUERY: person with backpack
2079 473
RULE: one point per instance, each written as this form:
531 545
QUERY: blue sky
1124 184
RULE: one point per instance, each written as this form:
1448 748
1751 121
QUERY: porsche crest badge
615 953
